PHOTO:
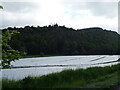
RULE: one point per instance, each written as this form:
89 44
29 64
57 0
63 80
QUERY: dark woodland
61 40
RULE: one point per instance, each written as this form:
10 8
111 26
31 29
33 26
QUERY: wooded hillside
54 39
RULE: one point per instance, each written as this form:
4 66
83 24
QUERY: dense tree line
60 40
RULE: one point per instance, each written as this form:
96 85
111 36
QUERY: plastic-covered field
45 65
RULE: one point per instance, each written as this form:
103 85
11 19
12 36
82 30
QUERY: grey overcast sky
71 13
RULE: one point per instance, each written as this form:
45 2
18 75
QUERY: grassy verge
95 77
32 56
107 81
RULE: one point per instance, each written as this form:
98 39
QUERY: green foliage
11 83
49 40
1 7
8 54
70 78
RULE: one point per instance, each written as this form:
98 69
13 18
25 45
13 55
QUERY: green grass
101 77
107 81
32 56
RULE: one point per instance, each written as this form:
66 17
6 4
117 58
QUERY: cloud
19 7
106 9
19 13
70 13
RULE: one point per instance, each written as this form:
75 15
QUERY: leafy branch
8 54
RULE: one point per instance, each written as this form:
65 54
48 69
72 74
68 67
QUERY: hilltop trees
60 40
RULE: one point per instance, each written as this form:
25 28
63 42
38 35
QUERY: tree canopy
60 40
1 7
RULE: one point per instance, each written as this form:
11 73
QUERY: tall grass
66 78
